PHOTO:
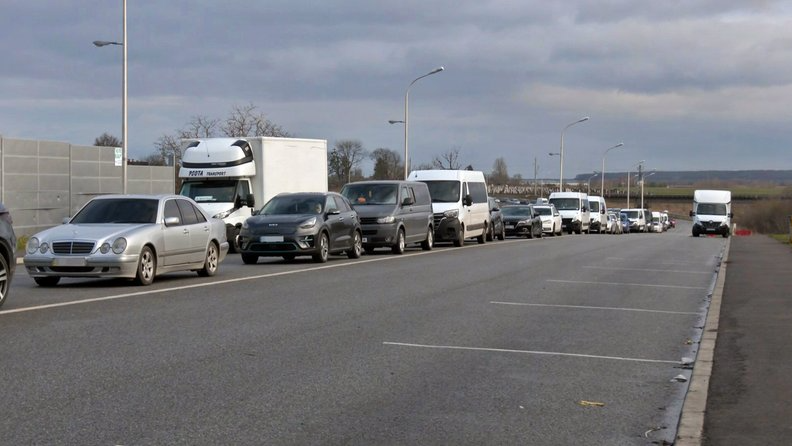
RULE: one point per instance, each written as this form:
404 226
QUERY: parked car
657 223
314 224
551 219
7 252
613 225
129 236
637 218
625 222
522 220
392 213
496 229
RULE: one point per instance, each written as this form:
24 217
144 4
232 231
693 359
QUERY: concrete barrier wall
42 182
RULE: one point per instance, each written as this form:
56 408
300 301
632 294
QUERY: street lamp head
101 43
437 70
618 145
394 121
554 154
585 118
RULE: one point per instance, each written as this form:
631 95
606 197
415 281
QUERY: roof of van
439 174
568 195
712 196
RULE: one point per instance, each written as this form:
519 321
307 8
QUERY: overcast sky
686 85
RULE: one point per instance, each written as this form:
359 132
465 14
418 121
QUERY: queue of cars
139 237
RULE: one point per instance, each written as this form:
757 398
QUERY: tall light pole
407 117
588 183
561 175
123 44
602 187
556 154
639 163
642 186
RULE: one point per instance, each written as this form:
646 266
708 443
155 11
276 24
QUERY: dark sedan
522 220
302 224
7 252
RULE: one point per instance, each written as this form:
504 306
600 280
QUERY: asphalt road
566 340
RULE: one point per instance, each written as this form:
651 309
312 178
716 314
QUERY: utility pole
536 170
641 179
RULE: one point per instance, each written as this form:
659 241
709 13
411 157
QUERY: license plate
271 238
510 226
76 261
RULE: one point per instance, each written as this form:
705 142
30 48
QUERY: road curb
691 423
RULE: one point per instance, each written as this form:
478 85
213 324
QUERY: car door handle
185 231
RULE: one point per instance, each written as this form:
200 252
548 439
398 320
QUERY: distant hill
780 177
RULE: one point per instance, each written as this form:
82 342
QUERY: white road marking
649 270
240 279
531 352
629 284
585 307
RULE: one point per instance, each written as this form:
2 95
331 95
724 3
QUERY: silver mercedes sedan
128 236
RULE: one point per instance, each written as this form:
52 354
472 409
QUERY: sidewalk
750 391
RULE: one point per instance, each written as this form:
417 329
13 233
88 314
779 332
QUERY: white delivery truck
574 210
711 212
228 177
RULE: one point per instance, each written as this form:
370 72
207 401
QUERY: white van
599 213
711 212
637 219
574 209
459 203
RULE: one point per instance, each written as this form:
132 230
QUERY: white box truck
228 177
711 212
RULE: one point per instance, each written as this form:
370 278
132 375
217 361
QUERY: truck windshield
444 191
364 194
711 209
566 204
204 191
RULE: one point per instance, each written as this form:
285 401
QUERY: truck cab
711 212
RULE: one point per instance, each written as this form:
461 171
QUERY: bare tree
107 140
500 173
200 126
387 164
448 160
245 121
167 146
347 155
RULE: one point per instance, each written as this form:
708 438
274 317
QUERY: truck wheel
147 267
357 246
398 247
491 233
427 244
249 259
322 249
211 262
460 240
483 237
47 281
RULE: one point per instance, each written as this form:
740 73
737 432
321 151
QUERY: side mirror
408 201
731 214
468 200
172 221
334 212
584 209
251 202
238 203
692 213
602 211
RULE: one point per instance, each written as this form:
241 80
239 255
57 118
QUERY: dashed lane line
586 307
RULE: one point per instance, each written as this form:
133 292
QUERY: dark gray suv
7 252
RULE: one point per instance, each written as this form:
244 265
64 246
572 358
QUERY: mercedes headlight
119 245
32 245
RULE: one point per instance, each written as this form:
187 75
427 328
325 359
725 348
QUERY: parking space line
583 282
650 270
531 352
585 307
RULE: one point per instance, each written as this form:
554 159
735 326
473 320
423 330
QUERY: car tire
357 246
428 243
47 281
249 259
212 261
322 249
146 268
233 247
502 235
398 247
530 233
460 240
491 233
540 233
4 279
483 237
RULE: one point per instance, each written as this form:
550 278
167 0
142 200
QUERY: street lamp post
642 186
639 163
602 187
556 154
123 45
588 183
561 174
406 118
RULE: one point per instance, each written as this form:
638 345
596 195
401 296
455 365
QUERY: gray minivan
392 213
